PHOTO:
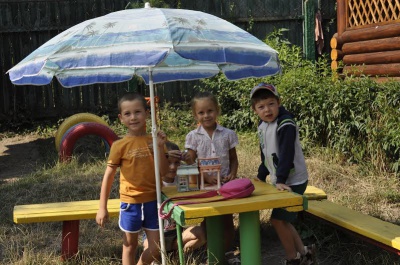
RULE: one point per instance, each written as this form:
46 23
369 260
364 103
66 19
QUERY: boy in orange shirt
134 155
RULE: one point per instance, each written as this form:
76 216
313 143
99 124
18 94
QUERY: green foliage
153 3
46 130
356 117
176 121
233 96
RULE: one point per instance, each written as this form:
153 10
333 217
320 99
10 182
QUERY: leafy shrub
176 120
356 117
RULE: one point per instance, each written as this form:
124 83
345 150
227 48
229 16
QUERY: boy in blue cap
283 160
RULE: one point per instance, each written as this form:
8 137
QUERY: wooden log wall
363 48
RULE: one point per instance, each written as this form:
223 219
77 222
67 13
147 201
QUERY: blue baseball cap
264 86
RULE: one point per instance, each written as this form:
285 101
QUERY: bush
355 117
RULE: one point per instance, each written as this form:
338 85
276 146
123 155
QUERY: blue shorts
134 217
282 214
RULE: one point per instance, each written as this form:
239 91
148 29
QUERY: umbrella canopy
178 44
159 45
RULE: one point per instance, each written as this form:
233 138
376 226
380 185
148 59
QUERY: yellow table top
265 196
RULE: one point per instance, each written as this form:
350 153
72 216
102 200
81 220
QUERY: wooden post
341 16
215 249
70 239
249 243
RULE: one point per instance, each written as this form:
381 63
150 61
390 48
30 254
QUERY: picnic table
265 196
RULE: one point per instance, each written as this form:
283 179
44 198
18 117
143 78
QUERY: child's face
206 113
174 163
133 115
267 109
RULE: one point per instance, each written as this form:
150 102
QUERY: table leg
250 241
70 239
180 244
215 240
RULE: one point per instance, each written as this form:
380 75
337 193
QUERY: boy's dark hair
171 146
204 95
263 91
130 96
261 95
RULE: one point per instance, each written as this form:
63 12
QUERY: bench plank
71 212
314 193
62 211
79 210
365 225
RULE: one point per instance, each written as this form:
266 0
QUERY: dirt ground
21 155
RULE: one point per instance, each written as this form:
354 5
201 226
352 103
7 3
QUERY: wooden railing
369 13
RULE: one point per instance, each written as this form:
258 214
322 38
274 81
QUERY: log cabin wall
367 41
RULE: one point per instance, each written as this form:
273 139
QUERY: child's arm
108 178
233 165
287 134
262 169
161 140
189 156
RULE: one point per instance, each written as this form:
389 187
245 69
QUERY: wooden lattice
367 12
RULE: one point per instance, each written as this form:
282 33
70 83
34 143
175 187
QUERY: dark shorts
282 214
134 217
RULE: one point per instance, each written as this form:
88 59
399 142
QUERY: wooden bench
71 212
373 230
67 212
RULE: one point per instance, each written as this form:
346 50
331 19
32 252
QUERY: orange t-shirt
134 156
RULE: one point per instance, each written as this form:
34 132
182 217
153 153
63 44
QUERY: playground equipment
82 124
73 120
80 130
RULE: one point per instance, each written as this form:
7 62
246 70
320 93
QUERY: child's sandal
309 258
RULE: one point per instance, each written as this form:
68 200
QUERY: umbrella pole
156 163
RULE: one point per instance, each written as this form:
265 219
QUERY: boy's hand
281 186
102 217
228 178
161 138
175 154
185 156
188 156
210 179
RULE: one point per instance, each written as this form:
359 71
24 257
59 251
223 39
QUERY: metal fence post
309 29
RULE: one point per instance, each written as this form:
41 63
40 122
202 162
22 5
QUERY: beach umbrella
157 44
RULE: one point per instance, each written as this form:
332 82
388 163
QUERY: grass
356 187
